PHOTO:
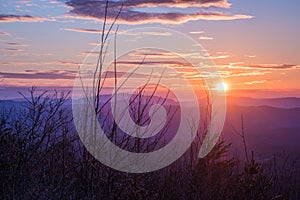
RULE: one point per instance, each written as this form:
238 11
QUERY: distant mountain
268 130
287 102
270 125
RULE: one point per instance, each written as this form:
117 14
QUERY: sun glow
222 86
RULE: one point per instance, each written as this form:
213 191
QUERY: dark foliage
42 158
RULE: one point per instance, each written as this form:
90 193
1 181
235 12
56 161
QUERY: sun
222 86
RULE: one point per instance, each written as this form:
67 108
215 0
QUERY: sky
254 44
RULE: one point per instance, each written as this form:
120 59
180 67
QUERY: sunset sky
254 43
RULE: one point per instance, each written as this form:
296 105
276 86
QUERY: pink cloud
82 30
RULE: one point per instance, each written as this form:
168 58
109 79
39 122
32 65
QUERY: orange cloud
255 82
263 66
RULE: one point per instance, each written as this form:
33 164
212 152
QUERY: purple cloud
21 18
94 10
34 74
3 33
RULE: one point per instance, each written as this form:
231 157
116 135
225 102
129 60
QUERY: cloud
3 33
275 66
60 63
163 62
82 30
120 32
154 3
21 18
205 38
255 82
159 33
146 54
64 63
10 49
243 73
94 10
163 55
34 74
119 74
16 44
253 70
28 54
177 3
264 67
196 32
214 57
60 74
251 56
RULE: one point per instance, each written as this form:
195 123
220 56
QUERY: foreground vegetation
41 157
